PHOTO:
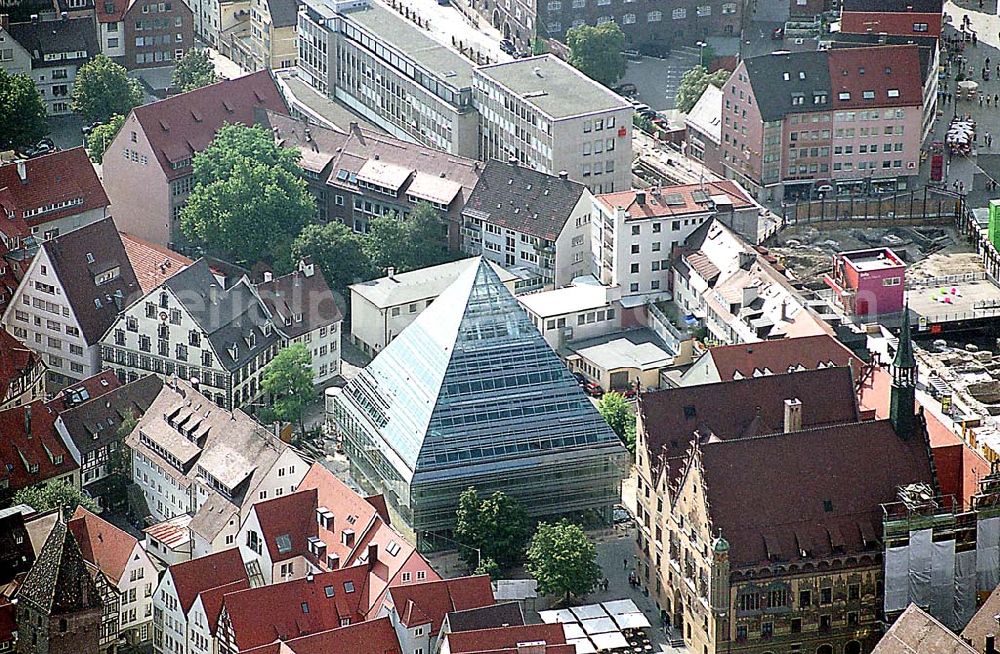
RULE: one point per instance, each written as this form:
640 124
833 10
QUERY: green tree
288 379
193 71
597 51
249 197
338 251
101 136
22 112
488 567
563 560
50 494
693 84
102 89
494 528
417 241
119 464
618 413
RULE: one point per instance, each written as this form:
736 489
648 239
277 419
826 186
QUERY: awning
631 621
553 617
589 611
599 626
609 641
618 607
573 630
583 645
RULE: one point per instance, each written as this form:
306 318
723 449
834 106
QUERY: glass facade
470 394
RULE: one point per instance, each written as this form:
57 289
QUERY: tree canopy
101 136
618 413
249 198
496 526
563 560
102 89
22 112
50 494
597 51
409 243
337 251
693 84
288 379
193 71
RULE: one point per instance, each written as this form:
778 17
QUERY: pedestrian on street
998 71
625 563
980 101
987 101
975 39
987 62
996 99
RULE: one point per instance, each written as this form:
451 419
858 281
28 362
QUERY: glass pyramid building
470 394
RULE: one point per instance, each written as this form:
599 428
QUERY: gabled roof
677 201
982 624
152 263
505 638
417 285
289 518
78 258
780 356
706 115
111 11
65 36
206 572
525 200
227 316
918 631
284 13
94 424
101 543
807 74
814 493
300 301
59 582
211 600
185 124
86 389
883 76
371 637
297 608
31 450
429 602
63 177
16 361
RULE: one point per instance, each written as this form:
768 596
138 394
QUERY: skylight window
348 586
284 543
893 93
328 591
868 95
844 96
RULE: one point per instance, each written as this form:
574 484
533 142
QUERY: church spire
904 382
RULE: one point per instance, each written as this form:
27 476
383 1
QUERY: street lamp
701 53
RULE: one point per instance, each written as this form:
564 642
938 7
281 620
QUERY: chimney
195 382
372 555
793 415
307 267
27 420
309 578
22 168
392 273
34 18
563 174
213 293
268 276
64 15
640 198
512 161
4 21
991 644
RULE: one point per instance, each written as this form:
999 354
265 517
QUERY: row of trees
250 202
495 534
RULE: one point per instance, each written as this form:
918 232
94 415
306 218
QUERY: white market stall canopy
594 628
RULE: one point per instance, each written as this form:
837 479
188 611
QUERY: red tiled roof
102 544
816 490
879 70
291 516
16 361
185 124
784 355
350 510
152 263
297 608
674 201
430 601
95 386
201 574
372 637
504 638
117 13
20 451
211 600
62 176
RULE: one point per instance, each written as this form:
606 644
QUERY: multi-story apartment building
703 130
656 26
50 52
194 327
110 15
389 71
549 116
156 33
634 233
70 295
273 41
800 571
895 17
147 167
126 566
22 373
532 223
191 457
360 174
840 120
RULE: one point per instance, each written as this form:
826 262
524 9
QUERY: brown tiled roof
185 124
675 201
784 355
503 638
117 13
817 491
983 623
77 258
152 263
917 632
372 637
297 608
102 544
21 449
62 176
429 602
291 517
94 424
878 69
86 389
743 408
201 574
300 302
486 617
16 361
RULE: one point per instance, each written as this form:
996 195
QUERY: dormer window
90 257
868 95
298 317
844 96
893 93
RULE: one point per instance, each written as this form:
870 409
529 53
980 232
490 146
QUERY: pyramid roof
471 383
59 582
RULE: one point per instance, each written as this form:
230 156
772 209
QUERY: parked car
628 89
507 46
778 33
593 389
580 378
88 128
632 55
45 146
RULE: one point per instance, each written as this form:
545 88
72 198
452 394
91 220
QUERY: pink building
868 282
